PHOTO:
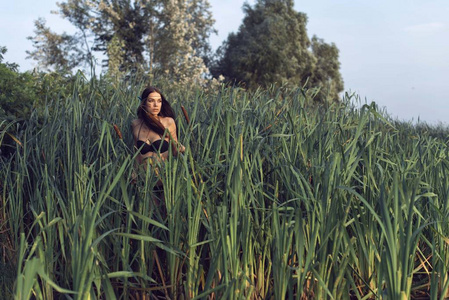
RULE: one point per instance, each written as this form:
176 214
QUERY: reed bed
274 198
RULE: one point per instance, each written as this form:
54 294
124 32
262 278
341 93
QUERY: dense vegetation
274 198
145 36
272 46
155 37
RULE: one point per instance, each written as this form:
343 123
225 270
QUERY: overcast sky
395 53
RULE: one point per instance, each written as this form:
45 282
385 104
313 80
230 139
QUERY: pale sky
395 53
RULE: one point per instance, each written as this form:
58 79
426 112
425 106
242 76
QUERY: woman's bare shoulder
136 122
169 120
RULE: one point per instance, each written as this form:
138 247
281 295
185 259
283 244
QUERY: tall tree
144 35
183 45
326 74
60 52
271 46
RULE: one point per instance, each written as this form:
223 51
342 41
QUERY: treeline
25 92
171 39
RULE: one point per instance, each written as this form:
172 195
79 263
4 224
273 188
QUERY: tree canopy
169 36
272 47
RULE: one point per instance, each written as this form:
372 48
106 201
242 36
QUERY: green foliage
273 198
53 51
326 74
18 93
154 36
28 92
115 54
24 96
272 47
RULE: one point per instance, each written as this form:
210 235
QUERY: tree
60 52
326 73
272 47
183 46
169 36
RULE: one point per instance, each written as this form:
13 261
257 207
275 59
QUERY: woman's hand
182 149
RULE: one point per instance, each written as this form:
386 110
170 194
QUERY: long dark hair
166 110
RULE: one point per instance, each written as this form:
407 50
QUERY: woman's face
153 104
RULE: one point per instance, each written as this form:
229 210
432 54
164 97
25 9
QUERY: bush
18 91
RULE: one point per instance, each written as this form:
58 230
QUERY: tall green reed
275 197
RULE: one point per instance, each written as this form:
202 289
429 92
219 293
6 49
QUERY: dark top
156 146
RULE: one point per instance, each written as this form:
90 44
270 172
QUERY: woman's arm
172 129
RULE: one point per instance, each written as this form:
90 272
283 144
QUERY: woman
154 131
155 127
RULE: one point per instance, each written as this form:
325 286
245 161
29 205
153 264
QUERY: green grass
274 198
